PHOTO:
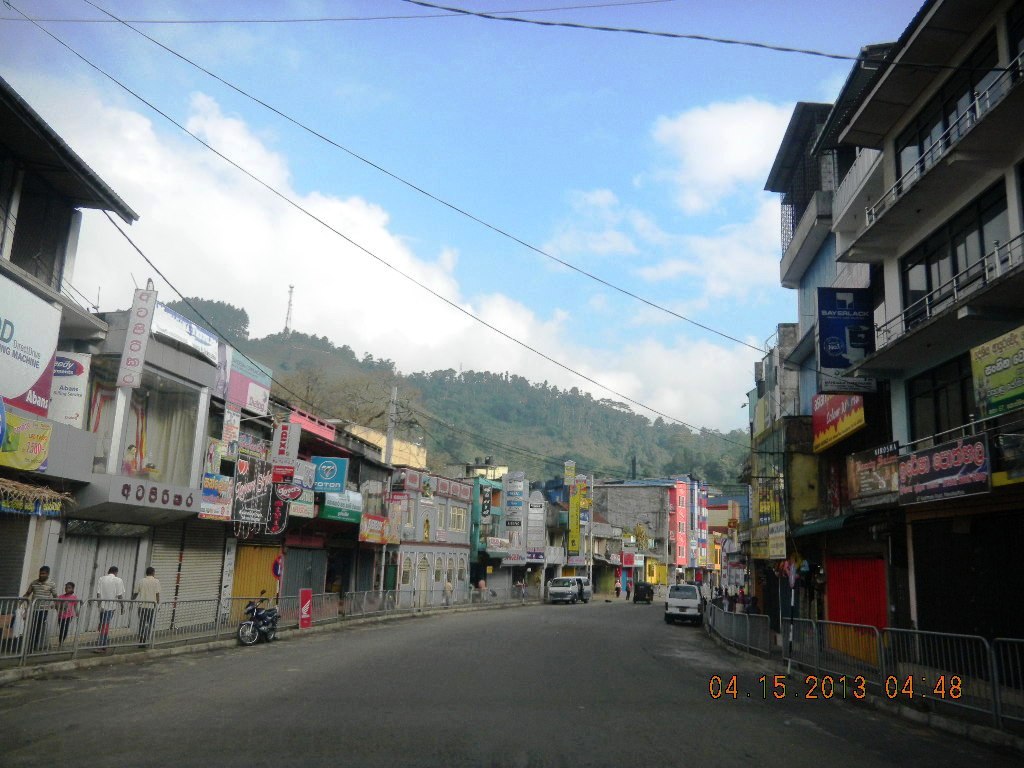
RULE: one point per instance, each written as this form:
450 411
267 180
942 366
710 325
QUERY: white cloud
216 234
733 262
719 147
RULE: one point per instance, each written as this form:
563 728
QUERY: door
422 582
254 571
304 569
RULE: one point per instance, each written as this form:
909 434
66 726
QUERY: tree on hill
226 320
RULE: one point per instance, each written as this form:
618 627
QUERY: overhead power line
381 260
336 19
415 187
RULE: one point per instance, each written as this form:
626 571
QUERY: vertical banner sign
230 431
305 608
253 492
485 502
69 388
140 321
570 473
515 509
574 521
998 371
536 531
846 335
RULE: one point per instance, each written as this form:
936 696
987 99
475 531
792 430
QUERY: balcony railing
978 108
1000 260
854 179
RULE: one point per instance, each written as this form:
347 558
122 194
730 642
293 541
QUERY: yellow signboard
26 443
574 523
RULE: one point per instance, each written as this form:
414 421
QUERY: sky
473 156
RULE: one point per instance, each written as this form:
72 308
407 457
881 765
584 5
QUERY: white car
684 604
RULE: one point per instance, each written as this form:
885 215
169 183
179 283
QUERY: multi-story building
910 353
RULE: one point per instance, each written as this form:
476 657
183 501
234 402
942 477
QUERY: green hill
462 416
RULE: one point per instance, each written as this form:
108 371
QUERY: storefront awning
828 524
25 499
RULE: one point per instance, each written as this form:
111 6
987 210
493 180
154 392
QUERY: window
941 399
457 519
952 111
406 571
451 570
160 430
462 569
438 567
954 253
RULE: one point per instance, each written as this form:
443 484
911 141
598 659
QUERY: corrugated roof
46 155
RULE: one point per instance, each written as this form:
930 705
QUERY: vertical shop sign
136 338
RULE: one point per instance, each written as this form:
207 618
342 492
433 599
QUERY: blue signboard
846 331
330 474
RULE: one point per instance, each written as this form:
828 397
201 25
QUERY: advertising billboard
997 368
846 335
28 342
835 417
950 470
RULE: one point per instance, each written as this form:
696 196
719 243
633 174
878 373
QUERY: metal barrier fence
1008 668
33 631
745 630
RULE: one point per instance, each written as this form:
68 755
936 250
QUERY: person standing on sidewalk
110 591
40 590
67 609
148 594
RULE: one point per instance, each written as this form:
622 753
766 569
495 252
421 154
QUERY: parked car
570 589
684 604
643 592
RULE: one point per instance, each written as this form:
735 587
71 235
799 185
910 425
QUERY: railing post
997 708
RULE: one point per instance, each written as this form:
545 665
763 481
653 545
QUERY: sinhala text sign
946 471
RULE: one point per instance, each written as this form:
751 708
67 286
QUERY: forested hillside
527 425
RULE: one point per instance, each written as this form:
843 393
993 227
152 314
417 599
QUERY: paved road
604 684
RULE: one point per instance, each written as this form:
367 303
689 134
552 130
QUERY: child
67 609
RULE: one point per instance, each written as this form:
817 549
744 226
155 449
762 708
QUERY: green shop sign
345 507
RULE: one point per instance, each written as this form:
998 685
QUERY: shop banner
873 477
573 544
514 492
373 529
34 508
252 446
253 491
946 471
344 506
330 475
834 418
136 339
777 540
231 429
759 543
28 342
249 385
168 323
25 443
303 506
216 502
998 372
278 519
286 440
846 333
69 388
216 451
536 531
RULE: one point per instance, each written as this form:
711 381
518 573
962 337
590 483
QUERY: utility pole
389 446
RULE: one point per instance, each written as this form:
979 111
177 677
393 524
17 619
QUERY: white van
684 603
570 589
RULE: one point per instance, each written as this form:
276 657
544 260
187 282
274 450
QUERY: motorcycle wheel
248 634
271 634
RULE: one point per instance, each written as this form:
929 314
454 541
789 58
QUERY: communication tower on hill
288 317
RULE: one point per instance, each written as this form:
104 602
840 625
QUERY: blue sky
637 158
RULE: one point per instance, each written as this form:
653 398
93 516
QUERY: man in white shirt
110 590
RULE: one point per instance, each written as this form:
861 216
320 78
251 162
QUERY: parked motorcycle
261 622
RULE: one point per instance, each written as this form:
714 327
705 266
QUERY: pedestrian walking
67 610
110 593
618 589
448 589
629 587
148 595
41 591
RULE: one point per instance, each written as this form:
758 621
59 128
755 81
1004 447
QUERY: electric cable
292 203
421 190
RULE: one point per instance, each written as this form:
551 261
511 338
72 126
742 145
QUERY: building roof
806 117
862 75
46 154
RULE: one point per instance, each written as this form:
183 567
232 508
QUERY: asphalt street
603 684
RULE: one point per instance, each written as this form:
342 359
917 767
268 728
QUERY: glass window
160 430
102 400
451 570
458 519
438 567
941 399
462 569
406 571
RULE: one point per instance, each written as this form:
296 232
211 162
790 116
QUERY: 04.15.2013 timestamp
770 687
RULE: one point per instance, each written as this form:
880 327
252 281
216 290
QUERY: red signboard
835 417
305 608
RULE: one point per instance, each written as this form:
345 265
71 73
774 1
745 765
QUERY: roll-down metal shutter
202 560
13 535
